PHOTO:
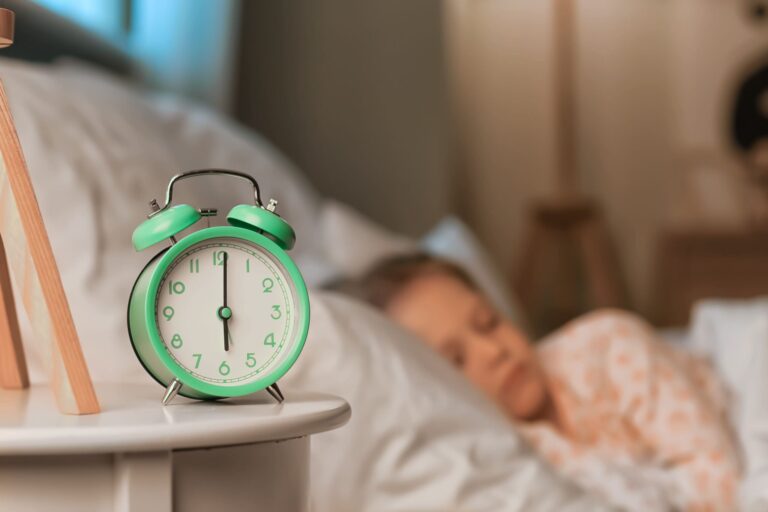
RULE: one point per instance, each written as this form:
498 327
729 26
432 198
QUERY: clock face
226 311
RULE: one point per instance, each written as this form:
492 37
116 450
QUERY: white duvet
420 438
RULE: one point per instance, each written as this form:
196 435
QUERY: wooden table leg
557 226
537 239
600 264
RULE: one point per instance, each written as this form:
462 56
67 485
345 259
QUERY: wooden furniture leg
13 366
556 226
537 239
600 263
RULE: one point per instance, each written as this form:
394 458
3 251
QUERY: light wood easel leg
13 367
27 243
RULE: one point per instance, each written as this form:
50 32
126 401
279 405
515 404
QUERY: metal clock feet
171 391
274 390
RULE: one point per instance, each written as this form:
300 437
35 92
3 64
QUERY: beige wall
356 92
502 60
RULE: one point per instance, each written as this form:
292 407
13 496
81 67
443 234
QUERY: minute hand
225 318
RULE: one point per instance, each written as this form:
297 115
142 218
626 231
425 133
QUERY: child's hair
386 279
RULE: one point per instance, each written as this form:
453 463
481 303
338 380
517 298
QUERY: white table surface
133 419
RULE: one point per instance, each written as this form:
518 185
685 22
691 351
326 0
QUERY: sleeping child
602 388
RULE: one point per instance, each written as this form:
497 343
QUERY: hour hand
225 314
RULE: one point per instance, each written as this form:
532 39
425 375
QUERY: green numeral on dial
194 266
224 368
269 340
176 341
168 312
267 283
276 313
218 257
197 357
248 265
250 361
176 287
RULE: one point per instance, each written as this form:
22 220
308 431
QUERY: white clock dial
259 311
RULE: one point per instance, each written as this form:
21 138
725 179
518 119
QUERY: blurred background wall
410 110
449 105
503 63
355 92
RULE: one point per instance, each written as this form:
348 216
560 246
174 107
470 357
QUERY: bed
99 148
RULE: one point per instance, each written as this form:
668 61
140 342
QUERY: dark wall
354 92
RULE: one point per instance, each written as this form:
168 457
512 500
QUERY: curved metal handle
203 172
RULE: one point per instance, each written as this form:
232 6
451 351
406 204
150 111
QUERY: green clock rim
154 333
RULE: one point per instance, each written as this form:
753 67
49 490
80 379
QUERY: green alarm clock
222 311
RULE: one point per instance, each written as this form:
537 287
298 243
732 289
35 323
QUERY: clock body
181 299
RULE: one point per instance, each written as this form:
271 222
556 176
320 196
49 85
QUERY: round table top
132 419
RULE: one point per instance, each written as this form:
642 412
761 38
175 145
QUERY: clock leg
171 391
274 390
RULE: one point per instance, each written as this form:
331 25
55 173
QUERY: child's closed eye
454 352
485 318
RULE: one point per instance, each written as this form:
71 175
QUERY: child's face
461 325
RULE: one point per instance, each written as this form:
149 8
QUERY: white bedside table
244 454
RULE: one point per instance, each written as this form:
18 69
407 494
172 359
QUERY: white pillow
453 240
353 243
420 437
98 150
731 333
734 333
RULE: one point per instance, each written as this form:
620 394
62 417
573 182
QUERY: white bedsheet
420 437
734 333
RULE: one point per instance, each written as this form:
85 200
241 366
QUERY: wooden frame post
30 264
13 367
